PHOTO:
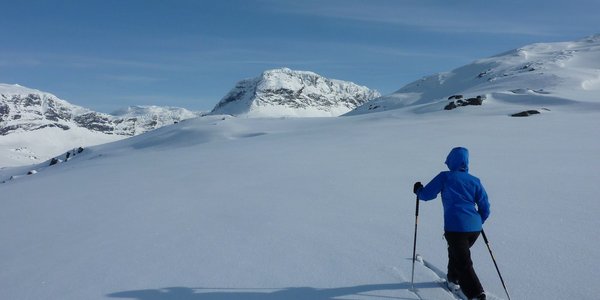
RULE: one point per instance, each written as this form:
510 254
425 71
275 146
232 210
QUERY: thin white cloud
9 60
388 51
133 78
34 59
96 62
277 62
422 15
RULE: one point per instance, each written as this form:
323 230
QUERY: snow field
317 208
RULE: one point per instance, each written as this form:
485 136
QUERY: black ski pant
460 265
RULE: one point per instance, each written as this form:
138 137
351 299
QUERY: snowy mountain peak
286 92
25 109
533 76
287 71
16 89
167 114
146 118
592 38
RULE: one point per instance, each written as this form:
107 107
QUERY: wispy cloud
133 78
389 51
35 59
442 17
281 62
98 62
10 60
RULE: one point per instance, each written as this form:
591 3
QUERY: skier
466 208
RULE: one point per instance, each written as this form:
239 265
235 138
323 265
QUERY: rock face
289 93
23 109
139 119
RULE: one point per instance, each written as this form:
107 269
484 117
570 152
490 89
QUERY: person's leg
472 237
460 255
452 274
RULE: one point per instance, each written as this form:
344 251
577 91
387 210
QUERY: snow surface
29 147
318 208
322 208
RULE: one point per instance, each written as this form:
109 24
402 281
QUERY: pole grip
417 210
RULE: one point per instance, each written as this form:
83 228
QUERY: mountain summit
284 92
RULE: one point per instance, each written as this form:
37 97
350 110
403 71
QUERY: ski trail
426 286
414 291
441 275
441 279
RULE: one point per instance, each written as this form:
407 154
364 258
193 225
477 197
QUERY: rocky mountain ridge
36 126
24 109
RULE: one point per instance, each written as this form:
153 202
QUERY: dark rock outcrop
526 113
464 102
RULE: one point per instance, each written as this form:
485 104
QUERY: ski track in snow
441 275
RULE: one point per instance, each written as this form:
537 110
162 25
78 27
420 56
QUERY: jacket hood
458 159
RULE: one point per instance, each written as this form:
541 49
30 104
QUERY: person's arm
432 189
483 205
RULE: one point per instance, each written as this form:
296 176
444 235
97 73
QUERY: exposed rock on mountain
23 109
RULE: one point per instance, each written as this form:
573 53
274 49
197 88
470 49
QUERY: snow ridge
542 74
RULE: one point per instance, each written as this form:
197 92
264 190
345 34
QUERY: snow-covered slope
547 75
285 92
318 208
36 125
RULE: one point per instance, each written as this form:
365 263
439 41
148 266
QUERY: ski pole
495 264
412 278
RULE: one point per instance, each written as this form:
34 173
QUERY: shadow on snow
184 293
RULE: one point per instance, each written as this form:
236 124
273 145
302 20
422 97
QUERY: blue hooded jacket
465 201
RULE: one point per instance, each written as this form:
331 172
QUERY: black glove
418 185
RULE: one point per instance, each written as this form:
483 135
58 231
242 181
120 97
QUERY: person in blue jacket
466 208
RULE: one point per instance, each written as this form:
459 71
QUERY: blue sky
110 54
